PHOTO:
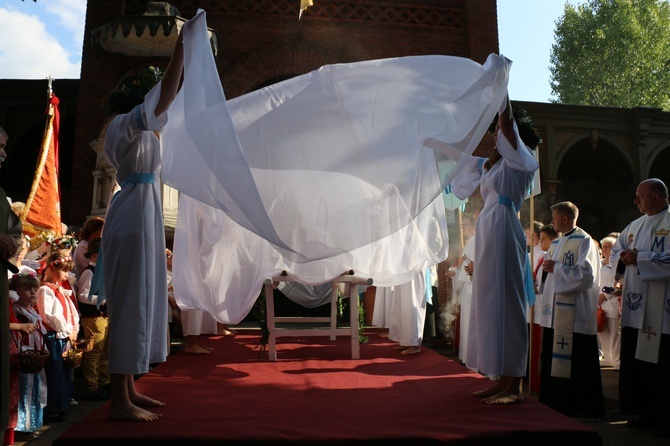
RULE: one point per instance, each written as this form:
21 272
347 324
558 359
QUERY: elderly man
8 246
570 369
643 256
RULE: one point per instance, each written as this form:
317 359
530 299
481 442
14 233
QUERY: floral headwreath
23 274
60 261
61 241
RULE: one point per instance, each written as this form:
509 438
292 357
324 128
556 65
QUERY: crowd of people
112 290
48 310
593 304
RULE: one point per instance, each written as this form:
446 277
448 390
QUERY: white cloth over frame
327 169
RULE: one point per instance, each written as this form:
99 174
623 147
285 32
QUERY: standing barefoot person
498 337
133 246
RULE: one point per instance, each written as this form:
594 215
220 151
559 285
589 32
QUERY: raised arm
506 122
172 77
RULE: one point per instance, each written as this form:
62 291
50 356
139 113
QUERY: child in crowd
32 387
59 314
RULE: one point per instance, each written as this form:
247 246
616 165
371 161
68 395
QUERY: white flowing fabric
319 174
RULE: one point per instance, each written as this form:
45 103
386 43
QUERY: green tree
613 53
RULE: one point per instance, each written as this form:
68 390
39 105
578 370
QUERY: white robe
581 279
464 281
610 338
133 245
498 337
319 174
381 315
408 312
653 265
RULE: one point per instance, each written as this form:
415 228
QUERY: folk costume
61 318
32 386
570 369
95 365
645 318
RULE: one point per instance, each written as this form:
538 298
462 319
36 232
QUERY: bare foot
144 401
400 347
225 332
412 350
495 389
384 334
503 398
197 349
131 413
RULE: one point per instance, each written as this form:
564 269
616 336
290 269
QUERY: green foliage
613 53
362 339
132 90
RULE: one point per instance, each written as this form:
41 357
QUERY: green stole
564 308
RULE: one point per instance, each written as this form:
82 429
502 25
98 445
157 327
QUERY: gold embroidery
662 232
630 239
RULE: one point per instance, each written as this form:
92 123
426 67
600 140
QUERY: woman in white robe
133 247
498 338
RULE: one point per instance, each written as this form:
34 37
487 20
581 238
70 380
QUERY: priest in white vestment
642 254
570 369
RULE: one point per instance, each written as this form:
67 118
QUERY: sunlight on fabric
321 173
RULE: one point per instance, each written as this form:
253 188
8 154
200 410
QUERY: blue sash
98 279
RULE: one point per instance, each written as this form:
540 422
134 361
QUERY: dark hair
131 90
537 227
91 225
550 231
527 131
25 280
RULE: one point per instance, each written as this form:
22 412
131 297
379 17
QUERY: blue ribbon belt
506 201
98 279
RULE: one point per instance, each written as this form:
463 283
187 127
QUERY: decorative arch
281 61
600 180
659 162
623 151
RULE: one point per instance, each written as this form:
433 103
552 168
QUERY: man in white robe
570 368
643 250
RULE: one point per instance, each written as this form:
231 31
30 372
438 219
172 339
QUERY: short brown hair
567 208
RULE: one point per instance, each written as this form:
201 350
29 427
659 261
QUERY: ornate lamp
152 33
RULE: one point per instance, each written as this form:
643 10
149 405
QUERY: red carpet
315 394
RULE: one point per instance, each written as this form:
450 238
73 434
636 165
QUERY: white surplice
646 294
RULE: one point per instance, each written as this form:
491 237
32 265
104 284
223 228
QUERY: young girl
61 319
32 387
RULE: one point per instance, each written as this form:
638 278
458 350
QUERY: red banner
42 210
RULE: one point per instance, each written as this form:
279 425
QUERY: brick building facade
261 42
